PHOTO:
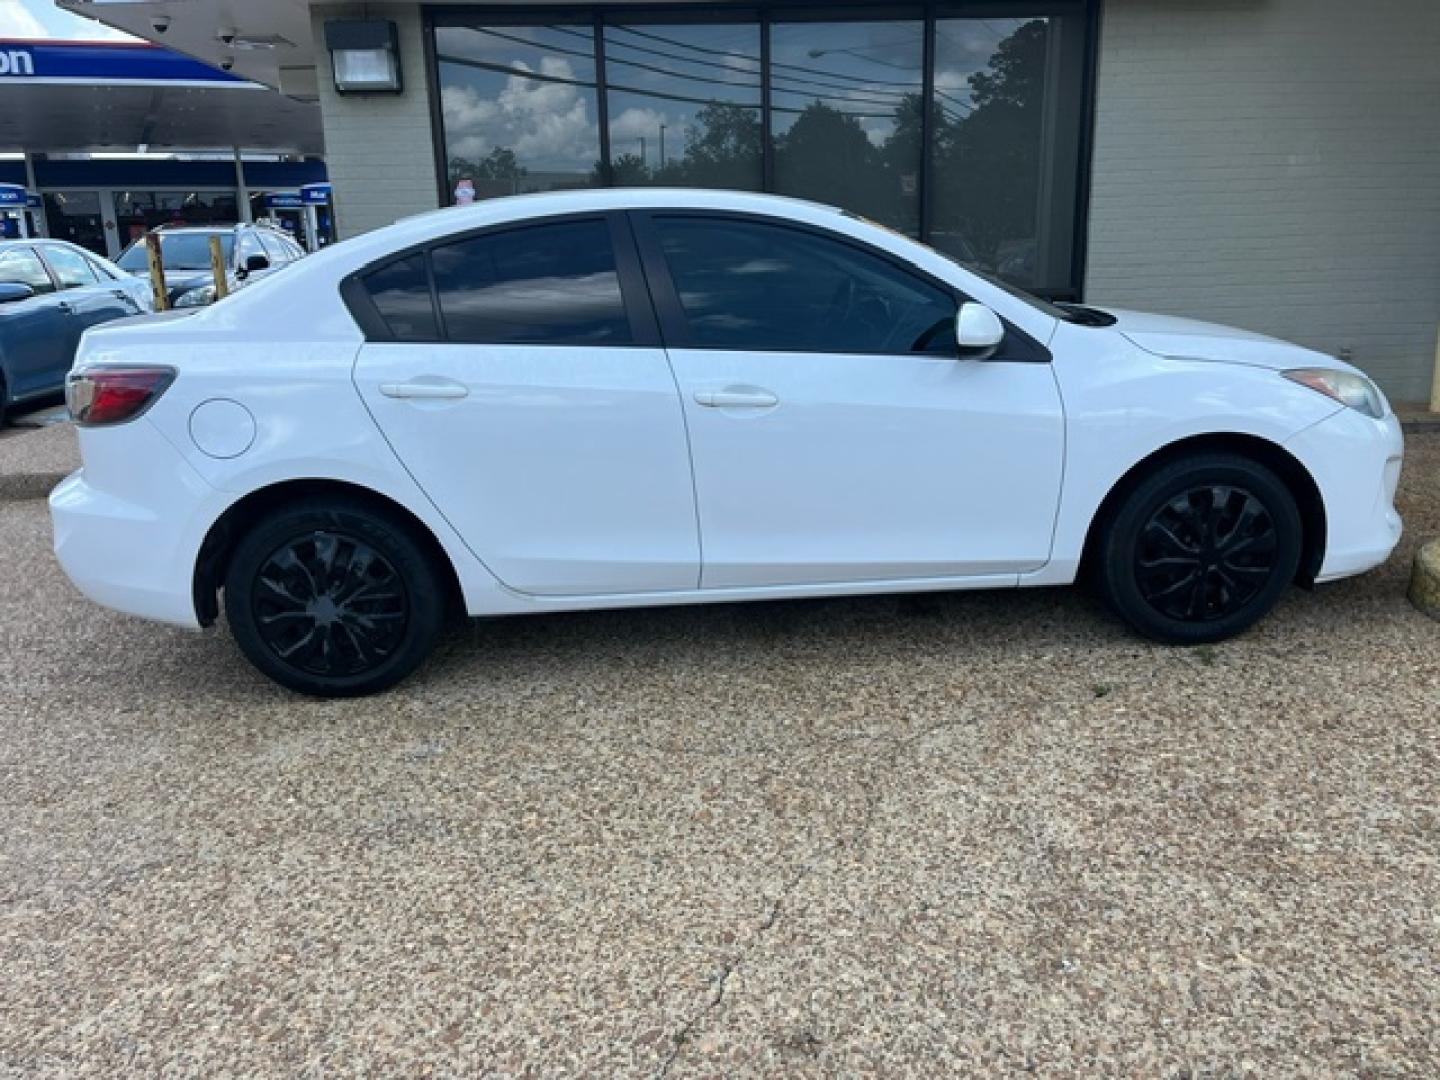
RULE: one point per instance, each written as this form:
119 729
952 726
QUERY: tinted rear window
401 294
541 285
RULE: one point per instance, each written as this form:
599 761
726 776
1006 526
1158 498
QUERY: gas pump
287 210
16 207
319 217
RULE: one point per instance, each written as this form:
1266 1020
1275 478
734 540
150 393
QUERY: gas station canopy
60 96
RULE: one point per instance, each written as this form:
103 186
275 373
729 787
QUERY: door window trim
1018 346
634 293
60 285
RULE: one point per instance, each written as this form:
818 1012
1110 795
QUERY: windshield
178 251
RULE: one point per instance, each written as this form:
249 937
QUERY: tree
499 164
826 156
988 166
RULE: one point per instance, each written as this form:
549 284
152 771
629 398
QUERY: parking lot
916 836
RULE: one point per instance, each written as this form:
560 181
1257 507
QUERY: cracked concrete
964 835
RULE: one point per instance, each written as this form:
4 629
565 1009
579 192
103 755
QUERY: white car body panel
610 507
566 480
838 480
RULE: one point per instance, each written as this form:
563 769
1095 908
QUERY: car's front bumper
1355 461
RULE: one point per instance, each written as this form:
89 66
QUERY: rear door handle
735 397
417 389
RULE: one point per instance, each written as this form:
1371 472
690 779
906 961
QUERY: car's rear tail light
112 395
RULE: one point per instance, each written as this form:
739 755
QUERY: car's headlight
1349 389
205 294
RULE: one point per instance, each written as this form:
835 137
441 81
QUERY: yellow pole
217 267
157 272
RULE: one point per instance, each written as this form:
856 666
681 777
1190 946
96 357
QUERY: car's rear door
517 372
34 333
837 436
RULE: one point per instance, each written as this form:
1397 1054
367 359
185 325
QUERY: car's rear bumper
128 536
1355 461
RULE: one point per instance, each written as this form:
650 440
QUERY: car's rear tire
1200 549
334 598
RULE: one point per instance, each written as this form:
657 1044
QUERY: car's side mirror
256 262
12 291
978 331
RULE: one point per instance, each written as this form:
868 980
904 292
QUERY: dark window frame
1017 347
634 293
766 14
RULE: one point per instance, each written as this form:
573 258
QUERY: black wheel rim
329 604
1206 554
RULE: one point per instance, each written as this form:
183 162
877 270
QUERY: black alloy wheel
330 604
334 597
1200 549
1206 553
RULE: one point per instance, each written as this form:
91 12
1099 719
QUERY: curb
23 487
1425 580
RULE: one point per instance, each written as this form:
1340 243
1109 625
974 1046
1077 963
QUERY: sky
42 19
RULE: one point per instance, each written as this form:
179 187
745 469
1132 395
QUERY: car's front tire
333 598
1200 549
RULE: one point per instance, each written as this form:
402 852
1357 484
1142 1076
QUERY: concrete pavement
956 835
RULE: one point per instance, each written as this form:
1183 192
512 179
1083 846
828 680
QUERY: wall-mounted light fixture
365 54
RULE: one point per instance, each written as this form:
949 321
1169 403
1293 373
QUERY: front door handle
736 397
418 389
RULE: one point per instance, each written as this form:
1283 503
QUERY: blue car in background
50 292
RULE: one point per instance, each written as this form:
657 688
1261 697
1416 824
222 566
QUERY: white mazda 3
632 397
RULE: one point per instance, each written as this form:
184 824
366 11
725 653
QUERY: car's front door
35 332
835 433
535 406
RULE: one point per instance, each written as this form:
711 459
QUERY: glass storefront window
988 170
75 216
847 99
519 107
684 105
137 212
1006 145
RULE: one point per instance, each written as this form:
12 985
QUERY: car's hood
1191 339
178 281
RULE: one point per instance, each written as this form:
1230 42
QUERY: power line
858 96
525 73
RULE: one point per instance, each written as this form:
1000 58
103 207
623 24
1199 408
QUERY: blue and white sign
284 200
105 64
14 195
315 194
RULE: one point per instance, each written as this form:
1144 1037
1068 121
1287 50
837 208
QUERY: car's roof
547 203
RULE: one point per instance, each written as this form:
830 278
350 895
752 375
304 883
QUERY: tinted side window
21 266
750 285
401 294
540 285
73 269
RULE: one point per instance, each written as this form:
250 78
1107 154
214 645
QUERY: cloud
40 19
549 125
637 123
17 22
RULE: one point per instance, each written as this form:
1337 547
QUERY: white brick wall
378 147
1275 164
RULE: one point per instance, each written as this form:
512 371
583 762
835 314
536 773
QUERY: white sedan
634 397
